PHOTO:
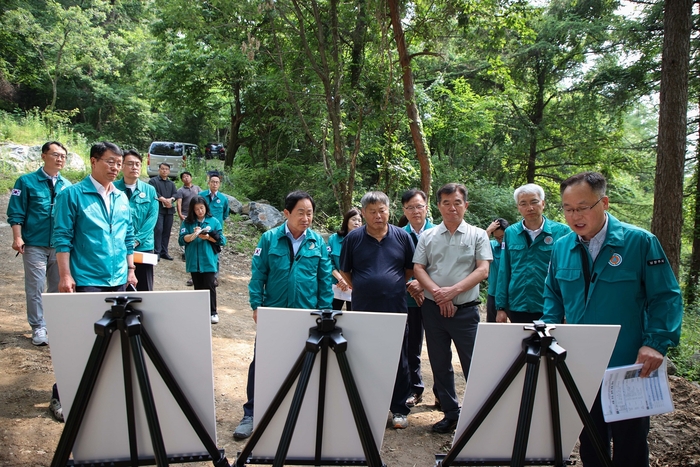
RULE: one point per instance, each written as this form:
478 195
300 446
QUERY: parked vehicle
175 154
215 150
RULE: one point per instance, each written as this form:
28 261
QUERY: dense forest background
341 96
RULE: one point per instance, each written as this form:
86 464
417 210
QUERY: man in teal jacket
30 213
497 228
415 208
291 269
217 201
93 234
143 201
526 249
609 272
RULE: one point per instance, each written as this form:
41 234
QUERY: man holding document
609 272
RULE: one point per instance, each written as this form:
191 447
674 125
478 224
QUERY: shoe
244 428
445 426
214 318
39 336
189 283
56 409
166 256
183 257
414 400
399 421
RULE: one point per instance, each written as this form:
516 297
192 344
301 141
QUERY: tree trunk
416 124
667 220
236 120
691 284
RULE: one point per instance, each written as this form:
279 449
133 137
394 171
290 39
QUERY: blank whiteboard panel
374 345
497 346
179 326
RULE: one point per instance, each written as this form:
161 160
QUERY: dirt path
29 434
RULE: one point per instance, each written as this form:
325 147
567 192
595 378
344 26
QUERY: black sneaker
445 426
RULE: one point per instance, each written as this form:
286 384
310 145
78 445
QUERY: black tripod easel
541 344
134 338
324 335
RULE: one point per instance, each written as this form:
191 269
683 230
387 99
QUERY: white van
175 154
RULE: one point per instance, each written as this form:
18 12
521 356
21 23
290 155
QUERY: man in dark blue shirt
377 260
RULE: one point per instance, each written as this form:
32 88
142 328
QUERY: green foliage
686 356
243 237
37 127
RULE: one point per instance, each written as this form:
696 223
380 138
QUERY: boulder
264 216
24 159
234 205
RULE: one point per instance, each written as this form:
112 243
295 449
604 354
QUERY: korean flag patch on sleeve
257 252
182 230
16 192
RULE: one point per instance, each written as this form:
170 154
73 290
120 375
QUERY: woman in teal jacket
341 290
202 237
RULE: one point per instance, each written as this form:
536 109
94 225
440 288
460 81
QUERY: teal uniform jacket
280 279
493 270
631 285
144 213
98 242
428 225
31 205
218 207
523 266
199 253
335 245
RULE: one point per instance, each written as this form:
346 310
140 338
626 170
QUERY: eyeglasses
113 163
581 209
418 207
59 155
534 202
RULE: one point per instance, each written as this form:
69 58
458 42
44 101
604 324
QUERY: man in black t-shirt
377 261
166 190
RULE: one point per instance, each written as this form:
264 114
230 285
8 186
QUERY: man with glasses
450 262
166 190
609 272
93 233
415 208
144 214
526 248
376 261
30 213
217 201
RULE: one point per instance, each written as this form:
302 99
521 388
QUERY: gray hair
374 197
529 189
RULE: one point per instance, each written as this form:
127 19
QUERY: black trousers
338 304
491 309
523 316
415 348
205 281
161 234
144 274
629 438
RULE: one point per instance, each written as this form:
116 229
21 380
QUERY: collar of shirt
421 229
54 179
132 187
104 192
462 227
296 242
596 243
533 233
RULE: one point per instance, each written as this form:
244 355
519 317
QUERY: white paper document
625 395
342 295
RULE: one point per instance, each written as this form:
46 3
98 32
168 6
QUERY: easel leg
321 413
219 460
129 396
104 329
527 404
586 418
554 406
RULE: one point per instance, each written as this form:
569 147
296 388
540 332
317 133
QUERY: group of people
594 269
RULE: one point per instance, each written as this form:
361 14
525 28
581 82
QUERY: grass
686 356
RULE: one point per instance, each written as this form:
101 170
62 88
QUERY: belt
468 304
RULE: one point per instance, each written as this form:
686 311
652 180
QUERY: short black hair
451 188
595 180
184 172
408 195
47 147
503 224
164 164
98 149
135 153
291 200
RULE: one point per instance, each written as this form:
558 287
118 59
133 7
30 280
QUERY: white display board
374 344
497 346
178 323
